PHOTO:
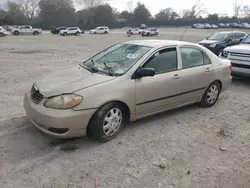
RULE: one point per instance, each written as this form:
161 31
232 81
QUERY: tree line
48 13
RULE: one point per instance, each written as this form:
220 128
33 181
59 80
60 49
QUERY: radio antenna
183 34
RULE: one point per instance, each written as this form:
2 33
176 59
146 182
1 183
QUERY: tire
211 95
77 33
104 133
65 34
16 32
35 33
105 32
1 35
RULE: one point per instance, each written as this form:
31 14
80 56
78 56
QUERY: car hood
69 81
241 48
208 41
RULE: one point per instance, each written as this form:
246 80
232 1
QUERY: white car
26 30
200 26
150 32
71 31
213 26
100 30
239 55
134 31
3 32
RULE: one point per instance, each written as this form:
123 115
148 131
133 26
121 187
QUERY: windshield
246 40
218 36
117 59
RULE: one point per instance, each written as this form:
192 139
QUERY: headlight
213 45
65 101
224 53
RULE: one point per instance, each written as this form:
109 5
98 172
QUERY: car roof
155 43
228 32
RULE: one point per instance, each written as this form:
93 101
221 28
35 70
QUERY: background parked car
3 32
207 26
134 31
150 32
218 41
213 26
234 25
56 30
222 25
71 31
244 26
26 30
239 55
100 30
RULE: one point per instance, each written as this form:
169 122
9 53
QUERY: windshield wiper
90 69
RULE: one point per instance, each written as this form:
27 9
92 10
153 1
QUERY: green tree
57 12
126 15
166 14
15 14
213 17
141 13
103 15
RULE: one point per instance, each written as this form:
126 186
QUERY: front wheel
77 33
35 33
107 122
211 95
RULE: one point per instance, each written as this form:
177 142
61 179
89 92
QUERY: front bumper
57 123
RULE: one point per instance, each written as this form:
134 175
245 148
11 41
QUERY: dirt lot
190 147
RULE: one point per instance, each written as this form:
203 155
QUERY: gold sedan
126 82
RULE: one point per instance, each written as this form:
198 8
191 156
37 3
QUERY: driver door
154 94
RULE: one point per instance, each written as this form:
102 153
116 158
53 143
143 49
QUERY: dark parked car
218 41
234 25
56 30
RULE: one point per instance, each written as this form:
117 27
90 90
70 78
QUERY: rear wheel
211 95
1 35
107 122
65 34
16 33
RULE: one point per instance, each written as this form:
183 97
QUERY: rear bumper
57 123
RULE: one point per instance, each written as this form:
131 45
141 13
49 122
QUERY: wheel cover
112 122
212 94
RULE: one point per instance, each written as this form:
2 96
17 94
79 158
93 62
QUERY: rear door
28 29
196 73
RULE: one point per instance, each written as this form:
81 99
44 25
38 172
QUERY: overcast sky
213 6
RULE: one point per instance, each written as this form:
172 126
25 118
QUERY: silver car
124 83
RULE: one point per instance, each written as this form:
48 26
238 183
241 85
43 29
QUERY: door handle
176 76
208 70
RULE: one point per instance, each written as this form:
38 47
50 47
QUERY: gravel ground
190 147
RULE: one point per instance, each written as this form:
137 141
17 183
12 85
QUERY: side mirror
241 39
144 72
229 40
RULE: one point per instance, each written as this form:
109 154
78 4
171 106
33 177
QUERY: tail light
230 66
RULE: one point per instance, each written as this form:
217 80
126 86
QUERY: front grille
35 95
240 54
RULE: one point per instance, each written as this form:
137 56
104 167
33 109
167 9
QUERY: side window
193 57
163 61
27 27
22 28
231 36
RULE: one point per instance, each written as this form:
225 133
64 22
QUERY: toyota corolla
126 82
